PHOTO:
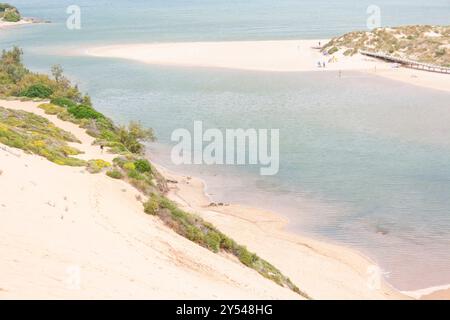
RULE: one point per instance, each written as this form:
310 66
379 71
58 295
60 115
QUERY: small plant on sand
63 102
51 108
97 165
115 174
151 206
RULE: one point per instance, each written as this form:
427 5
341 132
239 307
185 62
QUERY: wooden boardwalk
407 63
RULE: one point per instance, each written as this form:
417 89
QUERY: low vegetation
97 165
9 13
37 135
427 44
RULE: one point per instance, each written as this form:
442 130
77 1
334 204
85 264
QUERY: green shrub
11 15
84 112
142 165
333 50
37 90
213 241
134 174
151 206
129 166
245 256
63 102
132 136
115 174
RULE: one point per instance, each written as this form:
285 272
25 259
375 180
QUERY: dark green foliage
63 102
142 165
132 136
84 112
37 91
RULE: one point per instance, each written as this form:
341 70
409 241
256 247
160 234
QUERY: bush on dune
115 174
84 112
142 165
63 102
9 13
97 165
132 136
37 91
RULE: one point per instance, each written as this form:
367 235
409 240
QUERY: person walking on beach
101 148
323 64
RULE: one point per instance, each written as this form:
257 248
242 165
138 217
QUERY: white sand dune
275 56
65 233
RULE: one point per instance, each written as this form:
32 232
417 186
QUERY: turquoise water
364 161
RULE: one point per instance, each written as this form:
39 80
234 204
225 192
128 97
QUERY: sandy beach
275 56
6 24
60 224
324 270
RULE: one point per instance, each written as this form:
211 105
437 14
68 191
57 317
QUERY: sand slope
65 233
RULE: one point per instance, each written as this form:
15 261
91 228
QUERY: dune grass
422 43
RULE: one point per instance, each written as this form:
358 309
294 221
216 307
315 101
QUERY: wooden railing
407 62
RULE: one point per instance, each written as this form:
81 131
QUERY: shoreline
256 228
190 193
21 22
322 270
264 56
